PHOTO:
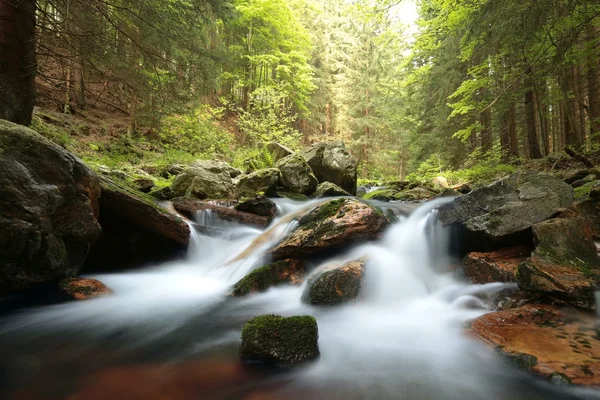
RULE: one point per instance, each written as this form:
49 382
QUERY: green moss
264 278
321 213
275 339
582 192
385 194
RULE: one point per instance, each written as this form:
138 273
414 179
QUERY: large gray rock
48 210
279 151
337 285
331 162
263 181
509 206
328 189
296 174
217 167
203 183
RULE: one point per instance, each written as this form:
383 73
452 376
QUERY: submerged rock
82 288
259 205
272 339
496 266
564 265
279 151
296 174
48 210
328 189
549 341
331 162
289 271
331 225
202 183
496 213
263 181
336 285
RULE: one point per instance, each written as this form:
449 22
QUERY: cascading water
403 339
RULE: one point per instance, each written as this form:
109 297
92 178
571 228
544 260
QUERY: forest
478 85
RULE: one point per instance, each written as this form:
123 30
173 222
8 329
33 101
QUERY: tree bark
593 77
17 60
486 130
532 136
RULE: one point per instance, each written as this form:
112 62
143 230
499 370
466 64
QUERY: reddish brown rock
336 285
495 266
289 271
83 288
555 343
331 225
189 207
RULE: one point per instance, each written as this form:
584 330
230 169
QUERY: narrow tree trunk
17 60
532 136
512 131
486 130
593 77
132 114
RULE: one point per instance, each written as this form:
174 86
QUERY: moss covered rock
272 339
565 263
336 285
386 194
82 288
289 271
332 162
296 174
201 183
331 225
262 181
416 195
584 190
259 205
292 196
217 167
49 210
328 189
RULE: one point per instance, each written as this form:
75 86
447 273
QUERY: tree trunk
486 130
512 131
17 60
532 136
593 77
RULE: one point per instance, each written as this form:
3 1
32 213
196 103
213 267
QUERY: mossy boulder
259 205
498 213
328 189
217 167
279 151
565 263
289 271
386 194
262 181
49 209
163 194
584 190
202 183
332 162
144 185
329 226
336 285
296 174
292 196
82 288
272 339
415 195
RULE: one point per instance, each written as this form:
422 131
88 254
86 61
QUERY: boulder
495 266
331 162
564 264
497 213
279 151
595 191
48 210
507 299
163 194
296 174
292 196
558 344
582 176
365 188
189 208
202 183
588 210
144 185
386 194
262 181
336 285
217 167
440 183
328 189
289 271
585 190
329 226
82 288
259 205
415 195
272 339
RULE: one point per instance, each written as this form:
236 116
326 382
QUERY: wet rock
144 185
201 183
259 205
386 194
365 188
296 174
141 209
292 196
336 285
498 213
279 151
564 264
262 181
82 288
511 298
48 210
328 189
272 339
588 210
495 266
190 207
331 225
331 162
289 271
546 340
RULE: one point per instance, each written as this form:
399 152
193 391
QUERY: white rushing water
403 339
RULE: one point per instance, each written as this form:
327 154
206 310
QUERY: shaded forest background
479 86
